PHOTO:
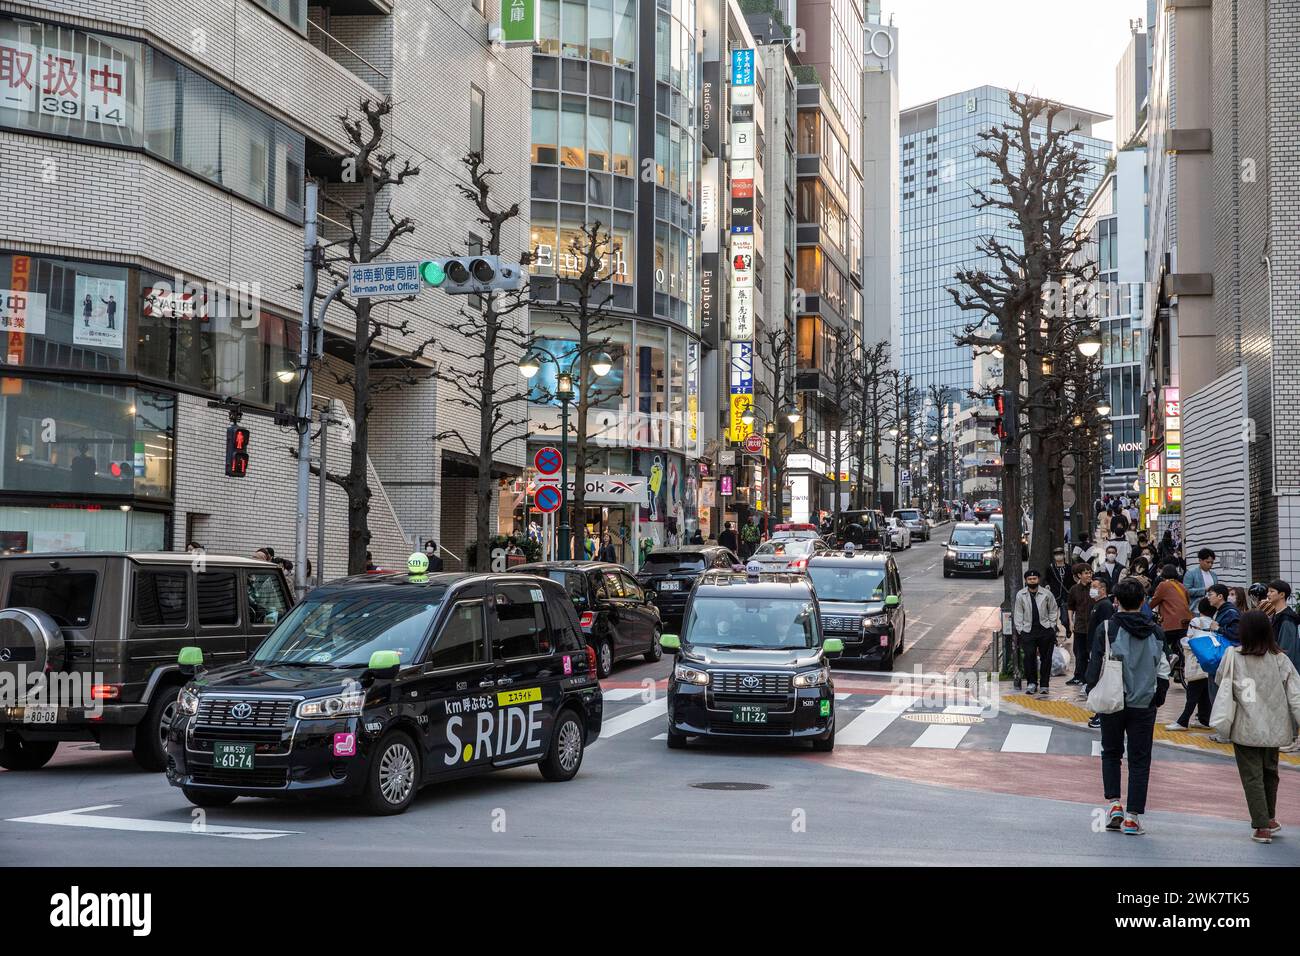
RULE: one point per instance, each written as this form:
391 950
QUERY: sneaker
1132 826
1032 689
1116 817
1291 747
1274 827
1094 723
1218 740
1073 682
1200 725
1175 726
1262 835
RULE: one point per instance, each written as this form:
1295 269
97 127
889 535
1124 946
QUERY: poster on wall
18 81
13 542
98 317
61 83
653 467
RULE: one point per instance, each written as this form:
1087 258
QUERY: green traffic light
432 273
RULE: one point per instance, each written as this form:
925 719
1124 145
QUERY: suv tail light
586 619
799 564
105 691
591 659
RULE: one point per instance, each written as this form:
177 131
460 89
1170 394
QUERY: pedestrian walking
728 538
1200 579
1285 620
1060 578
1137 643
1110 568
607 553
1195 680
1078 605
1172 610
1258 709
1035 617
697 537
1226 614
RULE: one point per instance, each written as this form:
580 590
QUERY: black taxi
751 662
380 683
860 601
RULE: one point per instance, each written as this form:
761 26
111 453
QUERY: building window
476 120
294 12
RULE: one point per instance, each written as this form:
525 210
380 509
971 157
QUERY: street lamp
791 413
1089 343
1103 408
529 366
747 416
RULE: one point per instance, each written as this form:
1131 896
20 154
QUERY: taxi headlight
689 675
340 705
875 620
187 701
812 678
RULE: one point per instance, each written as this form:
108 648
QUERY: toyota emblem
242 711
4 654
749 681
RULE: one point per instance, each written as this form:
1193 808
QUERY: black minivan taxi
860 601
669 574
751 662
378 684
974 547
617 617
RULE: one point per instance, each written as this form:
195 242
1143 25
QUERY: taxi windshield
847 583
757 623
343 630
972 537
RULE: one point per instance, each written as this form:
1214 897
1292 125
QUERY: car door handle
487 683
503 681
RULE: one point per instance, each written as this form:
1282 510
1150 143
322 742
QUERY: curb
1072 715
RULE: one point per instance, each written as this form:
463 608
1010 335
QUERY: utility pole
303 409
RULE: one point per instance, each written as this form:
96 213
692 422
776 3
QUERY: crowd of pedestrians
1131 609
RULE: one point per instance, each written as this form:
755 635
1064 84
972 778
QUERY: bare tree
845 370
483 376
776 352
874 372
370 238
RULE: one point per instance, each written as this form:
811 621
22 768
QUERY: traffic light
1004 426
472 275
236 452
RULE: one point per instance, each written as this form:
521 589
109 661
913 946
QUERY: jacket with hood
1286 628
1228 617
1139 645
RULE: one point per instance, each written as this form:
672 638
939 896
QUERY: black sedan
617 617
669 574
973 548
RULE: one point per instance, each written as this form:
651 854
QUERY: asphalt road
917 778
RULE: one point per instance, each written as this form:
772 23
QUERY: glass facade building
938 169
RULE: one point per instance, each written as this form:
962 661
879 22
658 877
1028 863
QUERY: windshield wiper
297 663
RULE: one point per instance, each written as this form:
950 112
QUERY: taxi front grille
755 684
244 713
842 625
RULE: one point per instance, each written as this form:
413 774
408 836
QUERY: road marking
942 736
872 722
1027 739
1096 748
633 718
622 693
843 696
971 710
78 818
659 737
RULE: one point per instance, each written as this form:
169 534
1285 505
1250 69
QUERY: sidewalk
1067 705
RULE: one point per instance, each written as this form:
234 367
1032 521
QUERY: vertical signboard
740 254
518 22
742 388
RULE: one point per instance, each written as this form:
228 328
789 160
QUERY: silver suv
915 522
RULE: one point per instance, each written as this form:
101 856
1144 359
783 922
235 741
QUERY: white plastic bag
1060 661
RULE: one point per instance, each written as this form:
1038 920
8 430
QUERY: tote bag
1108 696
1208 651
1224 711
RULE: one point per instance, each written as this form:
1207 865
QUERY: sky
1058 49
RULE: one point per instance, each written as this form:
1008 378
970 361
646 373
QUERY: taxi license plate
41 715
749 714
670 586
232 755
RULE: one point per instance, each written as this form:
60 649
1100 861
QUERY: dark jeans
1198 699
1257 767
1082 651
1137 724
1037 648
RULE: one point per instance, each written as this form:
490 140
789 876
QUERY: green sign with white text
518 21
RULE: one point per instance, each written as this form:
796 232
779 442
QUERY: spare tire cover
30 641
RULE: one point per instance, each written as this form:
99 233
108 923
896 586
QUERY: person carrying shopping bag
1194 676
1129 676
1258 709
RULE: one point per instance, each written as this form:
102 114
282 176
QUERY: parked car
863 529
668 575
616 616
378 684
973 548
786 554
898 535
918 524
860 601
110 625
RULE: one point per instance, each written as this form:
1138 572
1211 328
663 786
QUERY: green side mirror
832 645
891 601
670 642
385 660
190 657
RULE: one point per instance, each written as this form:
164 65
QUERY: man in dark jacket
1078 602
728 538
1286 622
1059 577
1139 645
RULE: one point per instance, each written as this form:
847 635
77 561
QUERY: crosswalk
633 716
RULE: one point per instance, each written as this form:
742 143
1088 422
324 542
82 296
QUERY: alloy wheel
396 773
570 745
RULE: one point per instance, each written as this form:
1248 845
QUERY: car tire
676 741
208 798
568 739
947 573
150 750
19 754
393 778
887 662
827 745
604 659
656 653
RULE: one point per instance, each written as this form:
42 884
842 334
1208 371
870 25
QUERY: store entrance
614 520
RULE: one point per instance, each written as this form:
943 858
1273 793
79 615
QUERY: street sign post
548 461
547 498
754 444
372 280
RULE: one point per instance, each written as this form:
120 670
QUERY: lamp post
529 366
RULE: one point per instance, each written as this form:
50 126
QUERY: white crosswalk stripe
873 721
1027 739
634 718
942 736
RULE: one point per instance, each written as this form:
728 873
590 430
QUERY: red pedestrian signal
236 452
999 423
